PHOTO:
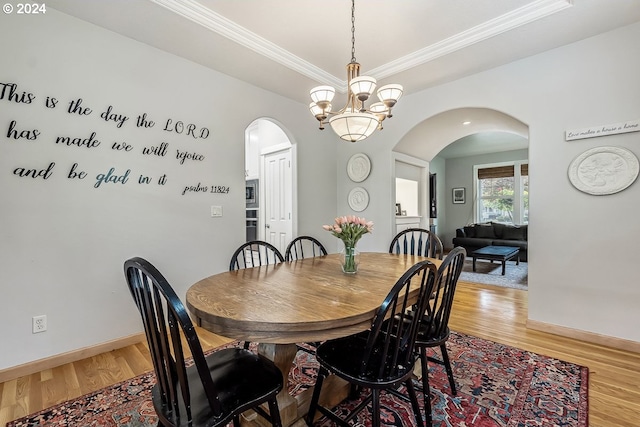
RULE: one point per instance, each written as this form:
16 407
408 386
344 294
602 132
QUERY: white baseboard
71 356
590 337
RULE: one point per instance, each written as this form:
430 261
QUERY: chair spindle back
166 322
393 341
417 241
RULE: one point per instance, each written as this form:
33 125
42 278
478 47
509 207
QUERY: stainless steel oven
251 193
252 224
252 200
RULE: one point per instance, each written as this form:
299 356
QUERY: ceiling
290 46
483 143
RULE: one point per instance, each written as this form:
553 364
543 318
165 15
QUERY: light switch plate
216 211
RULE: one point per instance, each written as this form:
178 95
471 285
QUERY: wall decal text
14 94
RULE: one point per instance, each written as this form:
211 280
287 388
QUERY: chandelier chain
353 30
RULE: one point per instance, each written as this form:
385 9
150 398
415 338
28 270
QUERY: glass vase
349 258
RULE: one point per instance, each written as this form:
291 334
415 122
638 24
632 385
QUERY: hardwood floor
489 312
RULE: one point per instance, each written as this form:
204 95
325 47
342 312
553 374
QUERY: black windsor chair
299 248
304 247
253 254
434 329
383 357
417 241
212 390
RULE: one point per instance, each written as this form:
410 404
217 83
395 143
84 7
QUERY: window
502 192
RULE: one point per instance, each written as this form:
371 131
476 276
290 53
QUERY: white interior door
278 199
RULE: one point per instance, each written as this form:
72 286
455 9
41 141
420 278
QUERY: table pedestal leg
292 410
283 356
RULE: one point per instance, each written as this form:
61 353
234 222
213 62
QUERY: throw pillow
469 231
514 233
485 232
498 229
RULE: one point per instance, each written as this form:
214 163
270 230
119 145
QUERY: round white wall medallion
358 167
604 170
358 199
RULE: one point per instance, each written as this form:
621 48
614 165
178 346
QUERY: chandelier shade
354 127
322 95
379 108
362 87
354 122
389 94
316 110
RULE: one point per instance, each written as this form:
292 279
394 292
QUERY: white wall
63 241
581 247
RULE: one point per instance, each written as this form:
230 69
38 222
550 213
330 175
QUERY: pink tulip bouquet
350 229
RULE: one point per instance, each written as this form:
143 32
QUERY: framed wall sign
458 195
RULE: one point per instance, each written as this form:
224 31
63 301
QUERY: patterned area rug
499 386
516 276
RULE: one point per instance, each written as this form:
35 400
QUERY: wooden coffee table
497 253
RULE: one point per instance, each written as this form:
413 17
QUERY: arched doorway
455 144
270 168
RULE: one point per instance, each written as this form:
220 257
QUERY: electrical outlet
39 323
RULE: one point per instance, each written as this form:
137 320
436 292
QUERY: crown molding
217 23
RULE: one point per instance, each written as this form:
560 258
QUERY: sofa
476 236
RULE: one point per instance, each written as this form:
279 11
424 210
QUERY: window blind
501 171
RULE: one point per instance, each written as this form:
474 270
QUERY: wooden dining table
306 300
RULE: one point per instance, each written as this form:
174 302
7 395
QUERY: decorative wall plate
358 199
604 170
358 167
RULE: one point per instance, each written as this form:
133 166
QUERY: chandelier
354 122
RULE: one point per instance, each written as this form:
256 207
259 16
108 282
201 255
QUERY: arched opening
455 145
270 174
